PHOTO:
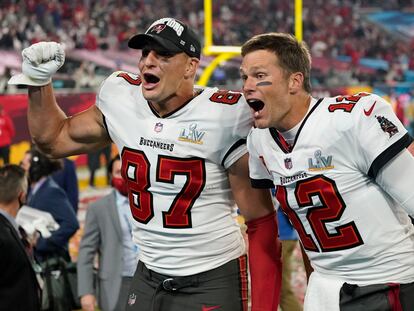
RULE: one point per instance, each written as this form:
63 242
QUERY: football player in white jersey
342 174
185 161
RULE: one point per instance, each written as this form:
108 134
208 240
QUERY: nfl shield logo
288 163
158 127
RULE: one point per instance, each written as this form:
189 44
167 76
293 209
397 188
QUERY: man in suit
47 196
108 233
19 290
67 179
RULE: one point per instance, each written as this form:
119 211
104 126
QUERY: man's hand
88 302
40 61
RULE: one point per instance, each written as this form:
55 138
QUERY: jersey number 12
331 209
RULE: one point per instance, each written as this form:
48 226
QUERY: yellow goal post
224 53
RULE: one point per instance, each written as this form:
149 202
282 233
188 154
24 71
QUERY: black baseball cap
170 33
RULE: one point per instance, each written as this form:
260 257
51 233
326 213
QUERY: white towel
322 293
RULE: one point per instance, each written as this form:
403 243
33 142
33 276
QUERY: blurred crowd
85 24
331 28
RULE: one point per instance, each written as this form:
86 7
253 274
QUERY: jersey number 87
136 171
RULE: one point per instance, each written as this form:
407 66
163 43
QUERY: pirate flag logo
158 28
387 126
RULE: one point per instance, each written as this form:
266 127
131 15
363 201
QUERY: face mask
119 184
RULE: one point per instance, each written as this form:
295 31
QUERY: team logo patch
158 127
131 299
191 135
387 126
158 28
288 163
319 162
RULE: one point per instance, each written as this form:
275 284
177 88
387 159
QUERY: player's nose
248 85
150 58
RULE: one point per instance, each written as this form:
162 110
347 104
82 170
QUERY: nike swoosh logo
369 111
205 308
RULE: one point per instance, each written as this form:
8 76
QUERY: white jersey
175 167
350 228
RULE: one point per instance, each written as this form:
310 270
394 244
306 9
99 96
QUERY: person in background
67 179
343 169
94 162
185 162
47 196
6 135
108 234
19 289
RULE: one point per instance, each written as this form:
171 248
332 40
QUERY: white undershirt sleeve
397 179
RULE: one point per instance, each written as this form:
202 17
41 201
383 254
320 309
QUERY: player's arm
58 135
253 203
306 263
264 246
53 132
389 161
396 178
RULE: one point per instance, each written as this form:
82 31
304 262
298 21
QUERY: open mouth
150 78
255 104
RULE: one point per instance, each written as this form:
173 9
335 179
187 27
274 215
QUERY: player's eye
260 75
165 53
159 51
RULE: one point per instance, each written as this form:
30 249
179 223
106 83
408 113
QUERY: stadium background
363 45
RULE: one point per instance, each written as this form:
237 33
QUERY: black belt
169 283
173 284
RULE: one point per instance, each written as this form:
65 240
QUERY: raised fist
40 61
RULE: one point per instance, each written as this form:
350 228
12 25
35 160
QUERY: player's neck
299 109
174 101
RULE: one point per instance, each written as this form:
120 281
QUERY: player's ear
192 65
295 82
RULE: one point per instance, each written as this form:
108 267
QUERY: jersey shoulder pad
362 112
256 135
225 97
352 104
119 78
119 82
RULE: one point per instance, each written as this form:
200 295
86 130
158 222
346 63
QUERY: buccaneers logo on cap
158 28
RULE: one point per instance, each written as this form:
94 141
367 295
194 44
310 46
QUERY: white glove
40 61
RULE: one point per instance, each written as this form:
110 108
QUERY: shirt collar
38 184
120 199
11 219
